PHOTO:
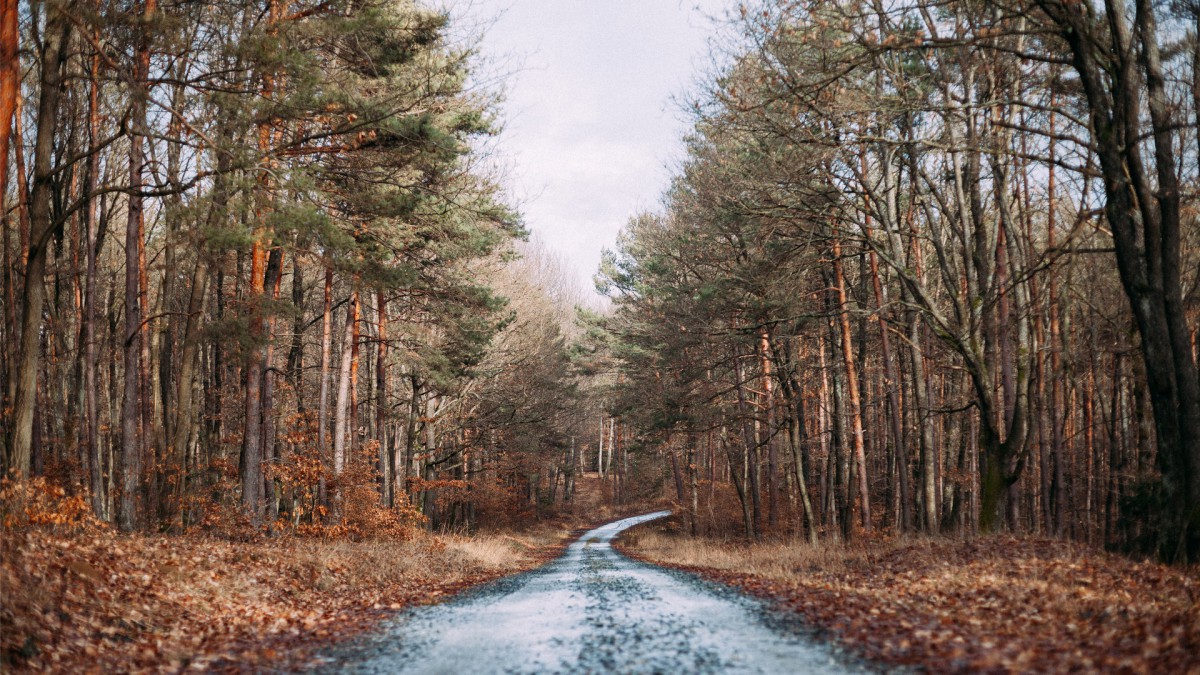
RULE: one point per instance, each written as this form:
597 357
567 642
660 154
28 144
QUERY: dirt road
593 611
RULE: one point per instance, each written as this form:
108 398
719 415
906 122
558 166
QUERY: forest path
594 610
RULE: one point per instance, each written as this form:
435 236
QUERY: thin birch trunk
342 407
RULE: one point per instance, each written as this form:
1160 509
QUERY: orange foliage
359 513
498 503
39 502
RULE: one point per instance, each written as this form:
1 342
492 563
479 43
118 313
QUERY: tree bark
342 407
96 465
769 408
269 448
132 423
323 392
54 59
10 78
386 451
895 414
856 419
252 450
185 407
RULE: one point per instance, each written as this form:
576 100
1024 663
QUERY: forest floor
80 597
98 601
989 604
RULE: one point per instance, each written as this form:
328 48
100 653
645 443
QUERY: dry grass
770 560
450 557
1000 603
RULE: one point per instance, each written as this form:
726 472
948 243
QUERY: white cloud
590 119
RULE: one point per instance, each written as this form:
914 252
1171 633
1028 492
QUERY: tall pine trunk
132 432
856 418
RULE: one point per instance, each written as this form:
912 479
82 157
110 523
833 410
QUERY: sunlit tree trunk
856 419
768 404
325 376
253 497
341 415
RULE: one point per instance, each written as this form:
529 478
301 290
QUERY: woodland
930 268
927 270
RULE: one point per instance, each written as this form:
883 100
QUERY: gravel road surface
593 611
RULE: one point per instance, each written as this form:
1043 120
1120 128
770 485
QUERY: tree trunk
269 449
10 79
895 414
323 392
600 450
750 449
692 470
342 407
386 452
54 59
410 431
133 432
352 423
96 468
251 461
856 419
796 441
252 450
769 407
738 484
676 474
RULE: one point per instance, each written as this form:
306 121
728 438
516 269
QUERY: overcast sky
591 125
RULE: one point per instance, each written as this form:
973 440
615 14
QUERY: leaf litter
992 604
93 600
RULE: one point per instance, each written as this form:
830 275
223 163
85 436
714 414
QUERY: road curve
592 611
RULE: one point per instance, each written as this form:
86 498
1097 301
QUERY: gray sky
591 128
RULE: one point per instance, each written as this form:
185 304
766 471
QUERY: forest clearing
899 318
